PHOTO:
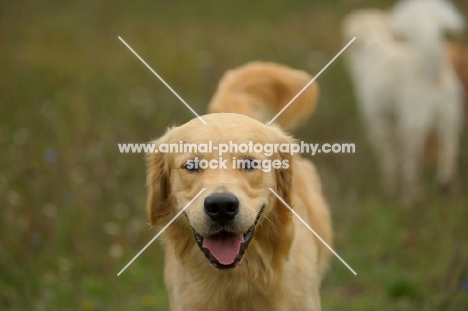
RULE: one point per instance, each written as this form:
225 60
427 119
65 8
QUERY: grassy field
72 209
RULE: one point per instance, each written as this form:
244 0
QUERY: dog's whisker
270 221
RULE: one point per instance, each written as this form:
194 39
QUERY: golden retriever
238 247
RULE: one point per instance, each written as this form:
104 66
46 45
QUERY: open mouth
225 249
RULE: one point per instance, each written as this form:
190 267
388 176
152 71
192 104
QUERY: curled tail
260 90
423 24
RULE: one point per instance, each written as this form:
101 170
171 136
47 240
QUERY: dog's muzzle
225 248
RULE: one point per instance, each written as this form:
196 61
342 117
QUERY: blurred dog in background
407 86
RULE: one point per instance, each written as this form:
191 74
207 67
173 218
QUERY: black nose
221 207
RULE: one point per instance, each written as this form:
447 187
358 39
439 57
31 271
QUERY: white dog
406 87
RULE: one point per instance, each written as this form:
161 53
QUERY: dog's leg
381 135
448 129
412 132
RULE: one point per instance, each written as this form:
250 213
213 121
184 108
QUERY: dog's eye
192 166
249 164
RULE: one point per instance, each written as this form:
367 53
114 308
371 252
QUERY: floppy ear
284 174
158 185
282 231
284 179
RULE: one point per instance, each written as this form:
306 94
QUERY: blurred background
72 208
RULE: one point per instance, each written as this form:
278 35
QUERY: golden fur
261 89
284 263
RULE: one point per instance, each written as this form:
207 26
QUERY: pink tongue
224 246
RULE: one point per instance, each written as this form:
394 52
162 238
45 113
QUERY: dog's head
236 201
371 27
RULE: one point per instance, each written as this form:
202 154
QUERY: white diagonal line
311 81
162 230
162 80
312 230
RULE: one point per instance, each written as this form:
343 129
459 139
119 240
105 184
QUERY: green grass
72 209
